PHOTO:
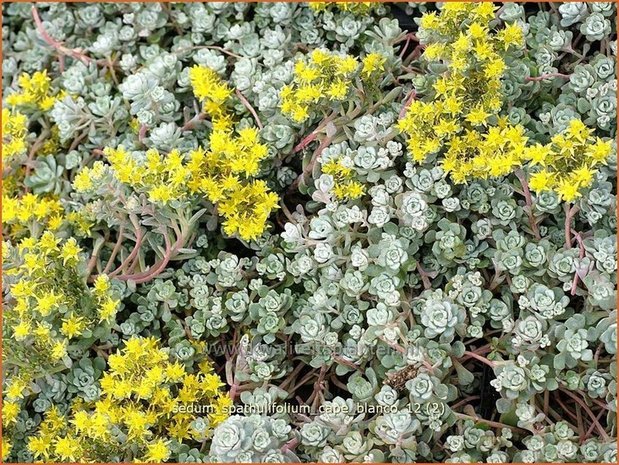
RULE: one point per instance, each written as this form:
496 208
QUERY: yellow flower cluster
485 154
568 163
325 78
14 132
47 301
30 212
353 7
223 173
226 172
144 402
210 89
6 447
163 177
345 186
467 96
35 92
373 64
16 387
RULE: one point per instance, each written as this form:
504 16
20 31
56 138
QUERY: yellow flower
34 92
599 151
70 252
434 51
222 408
67 448
337 90
59 349
82 181
485 10
10 410
101 285
175 372
136 422
73 326
6 448
108 309
583 176
429 21
300 114
495 69
345 187
39 446
161 194
461 123
49 242
324 78
22 330
14 132
346 65
157 452
477 116
538 154
372 63
569 166
16 389
568 190
81 420
511 35
211 383
306 74
477 31
208 87
47 302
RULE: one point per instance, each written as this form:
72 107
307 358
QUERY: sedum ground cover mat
337 232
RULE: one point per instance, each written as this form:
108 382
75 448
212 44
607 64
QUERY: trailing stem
526 192
569 216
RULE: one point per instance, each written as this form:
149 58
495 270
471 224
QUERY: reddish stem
142 133
33 150
251 109
410 36
567 410
464 401
304 142
482 359
54 43
312 135
526 192
290 445
138 243
569 215
348 363
193 121
581 254
156 269
409 98
395 346
116 249
586 408
592 427
547 76
580 424
424 277
494 424
310 166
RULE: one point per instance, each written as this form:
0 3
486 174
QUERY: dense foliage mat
281 232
